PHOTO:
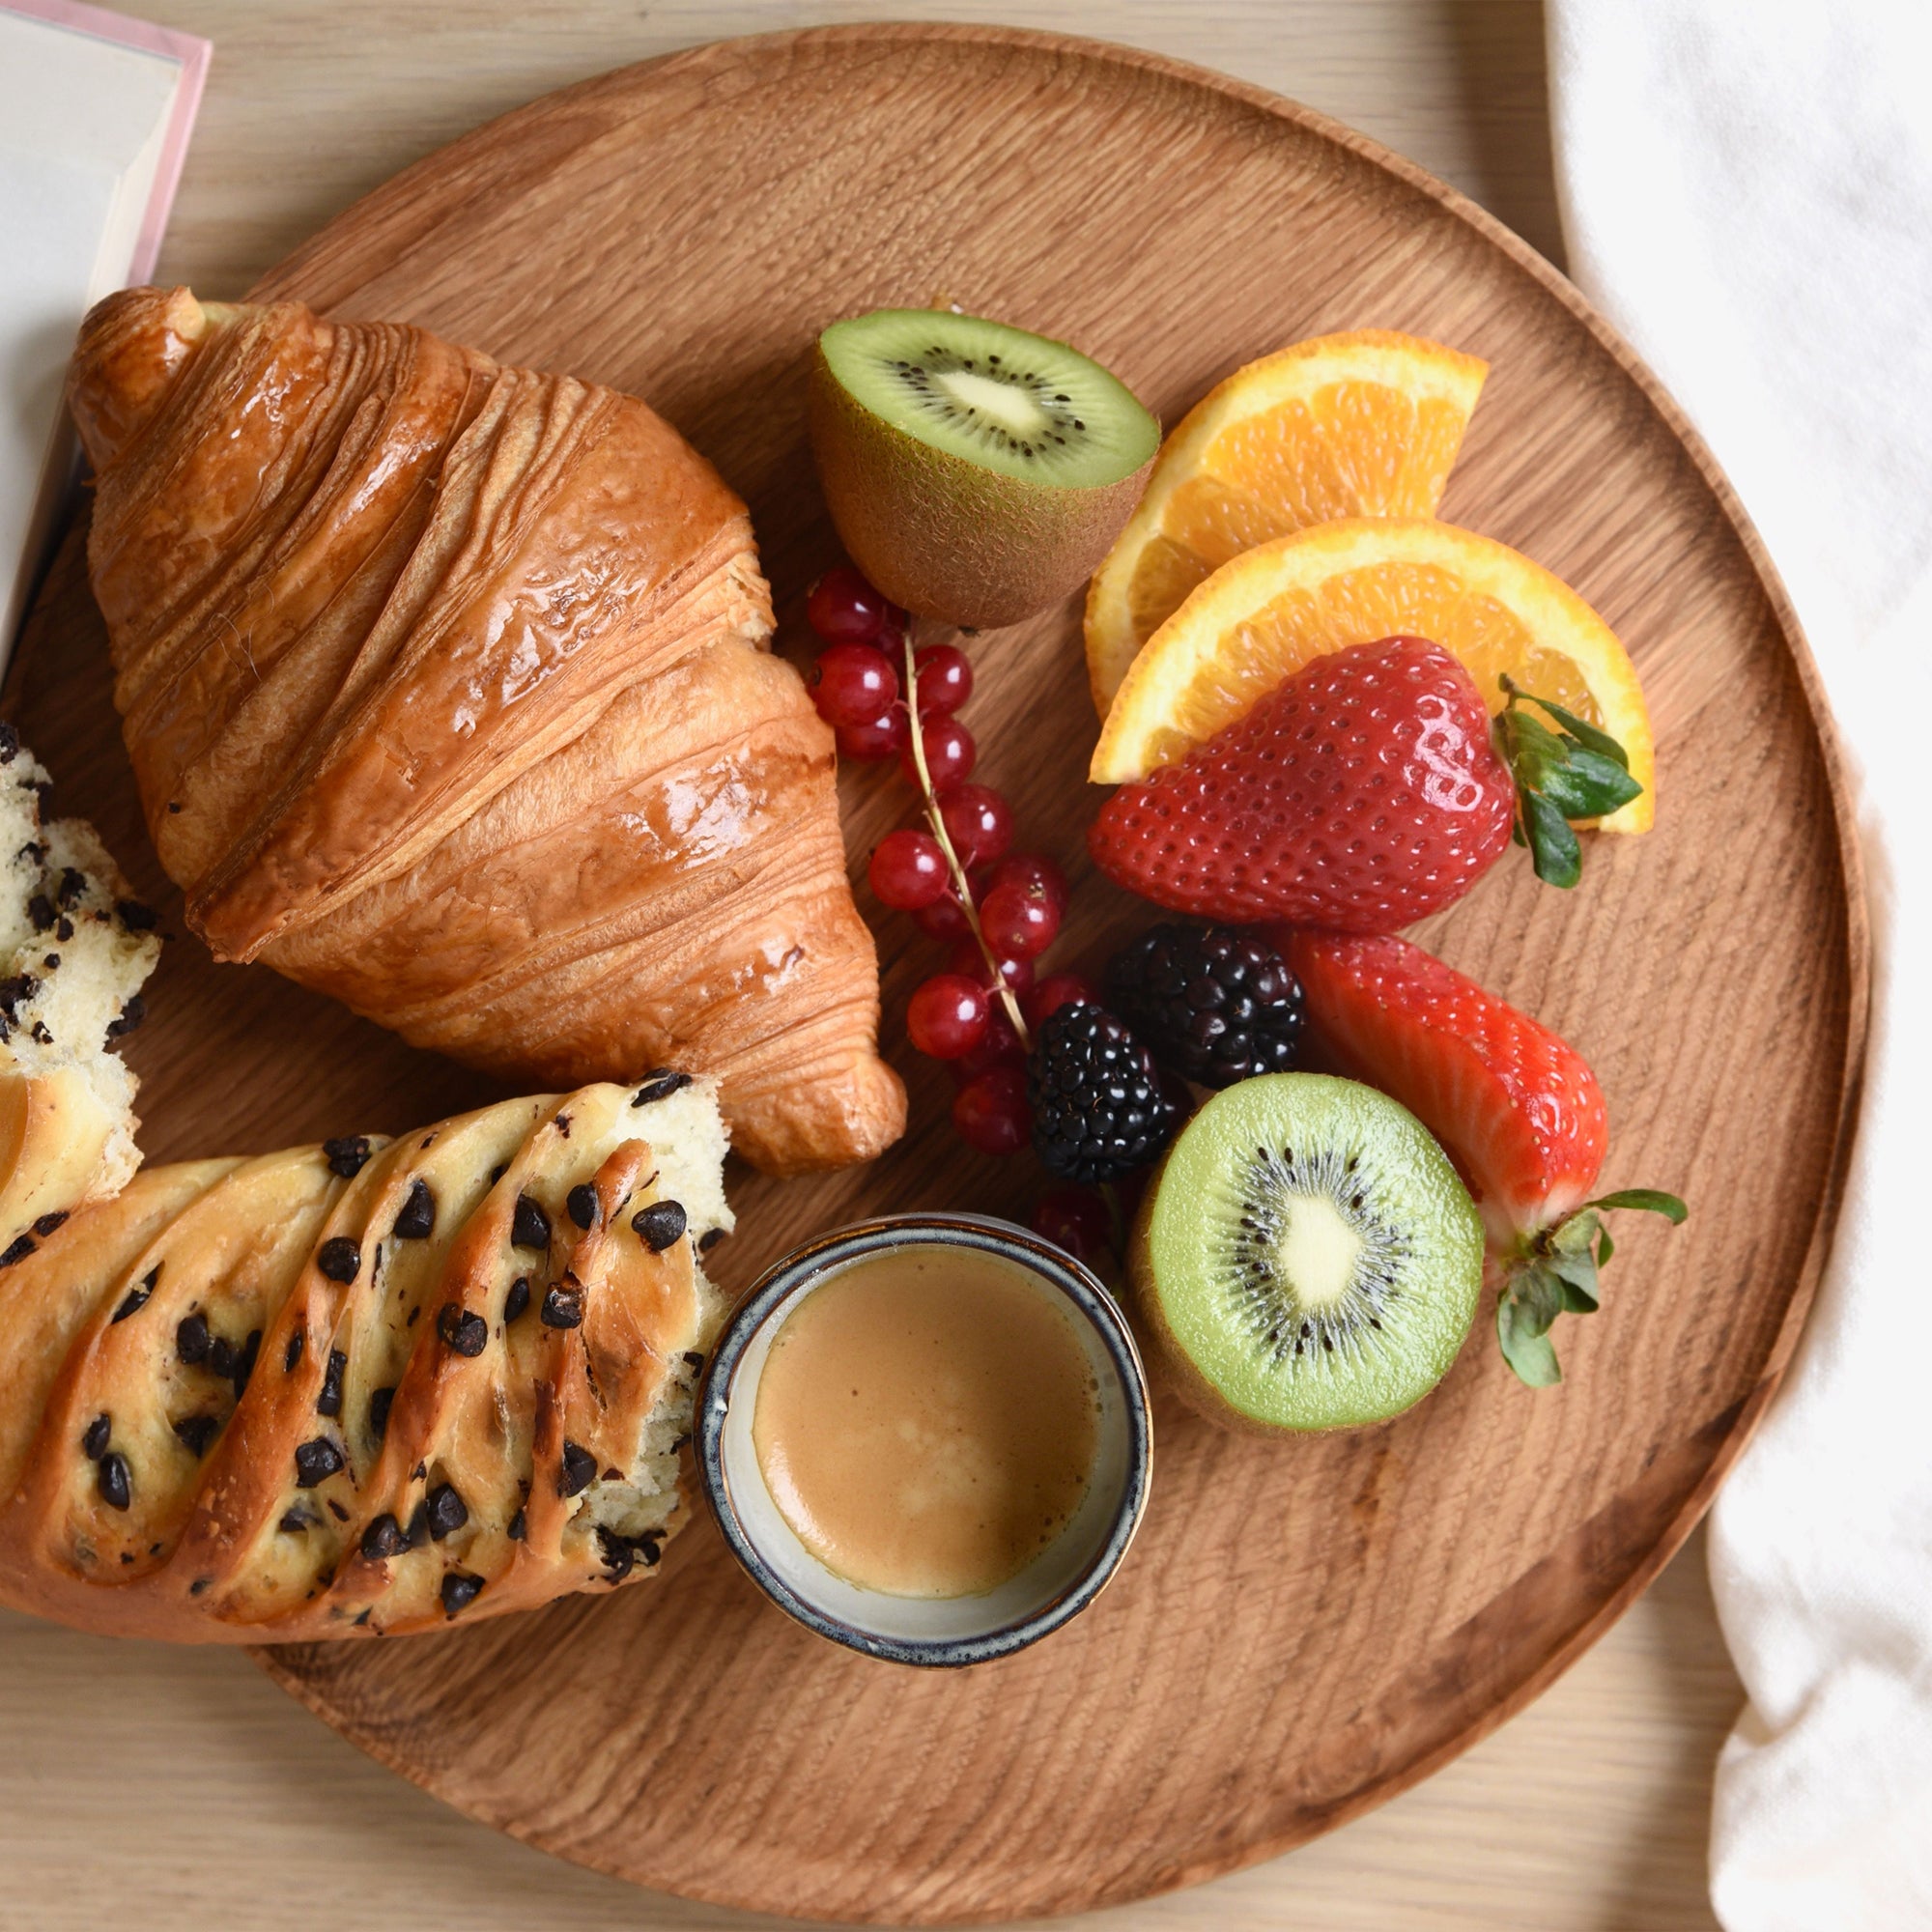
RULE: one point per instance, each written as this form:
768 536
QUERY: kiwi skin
946 537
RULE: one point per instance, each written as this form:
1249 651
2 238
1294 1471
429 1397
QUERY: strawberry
1361 794
1515 1106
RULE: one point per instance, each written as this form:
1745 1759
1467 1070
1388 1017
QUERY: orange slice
1259 619
1365 424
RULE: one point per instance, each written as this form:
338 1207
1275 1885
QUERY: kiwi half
1307 1257
976 473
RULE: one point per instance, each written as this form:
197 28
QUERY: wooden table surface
176 1788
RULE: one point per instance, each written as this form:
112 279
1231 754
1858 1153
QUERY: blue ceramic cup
1055 1587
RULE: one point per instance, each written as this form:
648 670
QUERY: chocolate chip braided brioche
76 948
369 1387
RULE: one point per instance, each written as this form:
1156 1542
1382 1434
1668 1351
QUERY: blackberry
1217 1004
1097 1108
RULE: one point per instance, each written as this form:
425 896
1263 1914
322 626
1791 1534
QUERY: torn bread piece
76 948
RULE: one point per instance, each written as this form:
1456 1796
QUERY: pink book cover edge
193 54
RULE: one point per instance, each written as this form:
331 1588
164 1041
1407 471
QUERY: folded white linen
1747 193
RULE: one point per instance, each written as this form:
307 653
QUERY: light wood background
181 1786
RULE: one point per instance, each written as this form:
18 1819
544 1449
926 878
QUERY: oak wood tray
1303 1629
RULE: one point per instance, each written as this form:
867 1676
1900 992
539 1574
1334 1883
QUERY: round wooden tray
1303 1628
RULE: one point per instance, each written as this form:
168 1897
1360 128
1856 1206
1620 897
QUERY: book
95 116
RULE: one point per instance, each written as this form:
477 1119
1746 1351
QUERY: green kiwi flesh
975 472
1307 1257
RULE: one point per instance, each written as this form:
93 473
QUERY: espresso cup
949 1632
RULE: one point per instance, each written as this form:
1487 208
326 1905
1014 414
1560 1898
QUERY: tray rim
1552 283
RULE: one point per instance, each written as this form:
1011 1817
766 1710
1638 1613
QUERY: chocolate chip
244 1365
9 743
696 1360
41 1034
563 1306
447 1511
415 1221
315 1460
709 1239
339 1258
460 1590
64 928
517 1302
195 1433
662 1225
50 961
647 1547
41 910
464 1331
582 1202
529 1225
294 1353
563 1125
18 1251
364 1619
294 1522
72 883
660 1085
134 1012
616 1554
15 991
518 1528
384 1538
134 916
346 1156
379 1411
49 1223
96 1437
132 1302
329 1401
117 1489
191 1343
223 1357
336 1510
416 1534
579 1469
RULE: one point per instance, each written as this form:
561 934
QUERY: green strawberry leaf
1553 849
1649 1201
1585 784
1590 736
1556 1274
1525 1344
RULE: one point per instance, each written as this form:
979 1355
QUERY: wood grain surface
1301 1631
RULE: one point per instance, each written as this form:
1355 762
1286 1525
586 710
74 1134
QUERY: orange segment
1256 620
1365 424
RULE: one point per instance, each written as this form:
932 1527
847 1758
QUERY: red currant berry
1057 990
1076 1219
947 1016
908 870
943 676
852 684
878 738
944 919
1034 870
1018 921
949 754
999 1046
843 608
969 963
991 1112
979 821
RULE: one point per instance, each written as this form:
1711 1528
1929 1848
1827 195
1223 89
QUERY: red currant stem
935 818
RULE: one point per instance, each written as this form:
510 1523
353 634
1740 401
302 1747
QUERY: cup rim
1075 1283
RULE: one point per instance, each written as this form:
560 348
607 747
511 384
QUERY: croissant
76 948
369 1387
446 691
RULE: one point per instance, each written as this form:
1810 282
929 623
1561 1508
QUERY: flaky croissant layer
447 689
369 1387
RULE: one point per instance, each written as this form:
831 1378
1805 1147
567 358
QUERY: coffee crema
927 1420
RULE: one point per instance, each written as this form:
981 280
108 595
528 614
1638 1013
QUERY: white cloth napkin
1746 189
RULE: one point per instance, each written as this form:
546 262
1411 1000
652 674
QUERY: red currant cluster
959 879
